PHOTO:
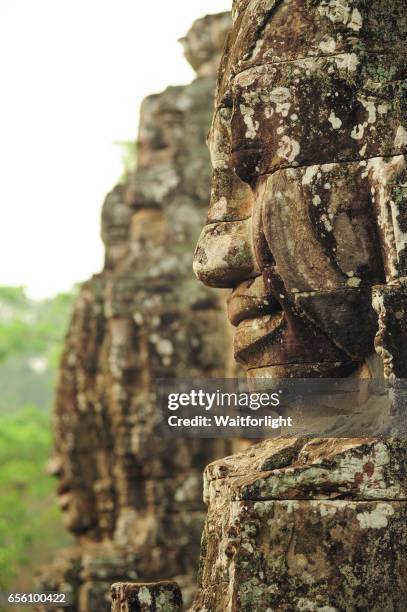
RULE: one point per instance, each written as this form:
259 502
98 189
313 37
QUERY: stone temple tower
132 500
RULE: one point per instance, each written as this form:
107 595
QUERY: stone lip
358 469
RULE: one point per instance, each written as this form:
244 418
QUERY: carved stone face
82 453
143 318
75 501
306 145
116 216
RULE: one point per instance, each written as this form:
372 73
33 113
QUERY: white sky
72 76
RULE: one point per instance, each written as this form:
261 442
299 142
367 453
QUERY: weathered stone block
364 121
324 528
147 597
363 469
390 303
276 555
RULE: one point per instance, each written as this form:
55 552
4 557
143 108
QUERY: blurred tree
28 515
31 340
29 327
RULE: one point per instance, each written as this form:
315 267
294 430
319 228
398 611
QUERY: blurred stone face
83 442
307 147
144 318
79 516
116 217
74 495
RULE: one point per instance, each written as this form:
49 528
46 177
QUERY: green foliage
29 327
31 339
30 526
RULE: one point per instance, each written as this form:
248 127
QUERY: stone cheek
304 555
321 236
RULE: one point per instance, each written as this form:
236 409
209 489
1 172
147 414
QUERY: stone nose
224 256
54 466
